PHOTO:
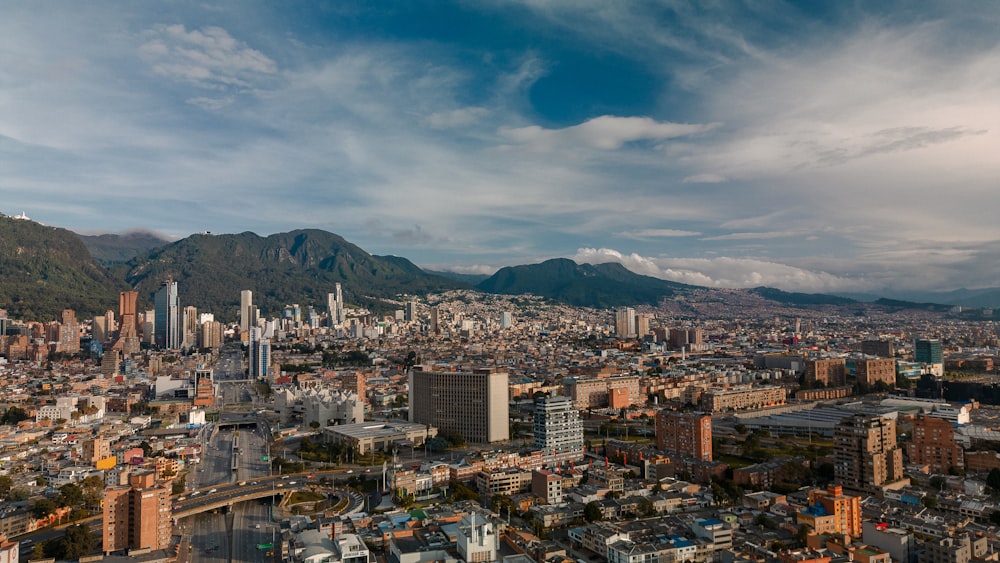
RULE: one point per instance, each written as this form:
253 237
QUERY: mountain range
45 269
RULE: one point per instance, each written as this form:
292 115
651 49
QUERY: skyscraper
933 444
128 330
335 306
625 323
167 325
471 404
558 428
684 434
866 457
506 320
410 313
259 353
190 327
246 311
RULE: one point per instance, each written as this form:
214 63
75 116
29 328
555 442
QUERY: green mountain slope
110 249
588 285
296 267
46 269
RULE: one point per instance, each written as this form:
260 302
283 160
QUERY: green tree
77 542
993 479
6 483
18 494
147 450
70 495
13 415
42 508
93 482
592 512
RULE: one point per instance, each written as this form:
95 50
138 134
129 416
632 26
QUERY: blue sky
829 147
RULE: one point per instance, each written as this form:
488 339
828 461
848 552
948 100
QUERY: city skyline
839 148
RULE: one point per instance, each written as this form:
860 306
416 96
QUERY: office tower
190 324
128 328
506 320
313 317
259 353
625 323
137 516
830 511
148 327
642 324
866 457
683 434
410 313
471 404
934 445
246 311
210 335
690 339
99 329
69 332
930 353
335 306
435 321
110 363
831 372
558 429
167 326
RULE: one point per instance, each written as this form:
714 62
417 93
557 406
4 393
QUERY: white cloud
707 178
456 117
606 132
208 57
755 236
657 233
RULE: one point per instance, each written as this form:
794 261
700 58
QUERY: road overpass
205 500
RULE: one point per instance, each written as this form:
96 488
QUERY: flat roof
375 429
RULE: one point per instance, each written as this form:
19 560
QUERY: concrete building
367 437
866 457
478 539
137 516
321 405
625 323
684 434
547 486
471 404
167 325
558 429
870 371
741 398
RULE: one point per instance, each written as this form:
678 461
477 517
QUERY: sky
814 146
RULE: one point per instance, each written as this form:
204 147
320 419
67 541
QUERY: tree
930 501
6 483
77 542
42 508
937 482
13 415
993 479
147 450
93 482
70 494
592 512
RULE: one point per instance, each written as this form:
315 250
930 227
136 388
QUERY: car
27 542
257 526
212 491
281 484
196 493
253 483
285 476
291 482
350 471
177 507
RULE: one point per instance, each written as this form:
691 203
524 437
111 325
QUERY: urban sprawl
472 427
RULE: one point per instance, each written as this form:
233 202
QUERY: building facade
558 428
866 457
684 434
137 516
472 404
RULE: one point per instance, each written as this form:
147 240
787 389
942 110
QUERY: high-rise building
259 353
167 326
933 444
99 329
506 320
558 429
335 306
684 434
210 335
137 516
128 328
880 348
625 323
642 324
410 313
929 353
866 457
149 327
190 327
435 320
470 404
247 311
870 371
69 332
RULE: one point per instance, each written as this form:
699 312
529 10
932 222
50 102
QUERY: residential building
831 372
558 429
137 516
866 457
684 434
933 444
